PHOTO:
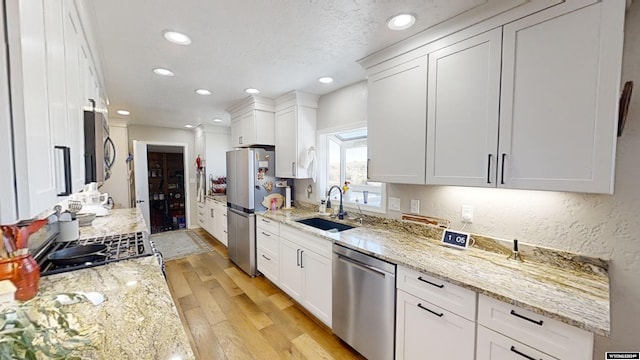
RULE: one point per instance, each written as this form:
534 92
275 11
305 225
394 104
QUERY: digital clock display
456 239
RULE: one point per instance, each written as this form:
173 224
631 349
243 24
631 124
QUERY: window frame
323 139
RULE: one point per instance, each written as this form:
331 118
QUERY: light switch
394 204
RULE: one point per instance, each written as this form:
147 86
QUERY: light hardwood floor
228 315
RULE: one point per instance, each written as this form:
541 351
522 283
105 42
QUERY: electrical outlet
415 206
394 204
467 214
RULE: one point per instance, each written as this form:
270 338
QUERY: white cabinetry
396 120
463 109
305 271
220 222
295 132
268 245
252 122
212 216
559 100
538 334
433 317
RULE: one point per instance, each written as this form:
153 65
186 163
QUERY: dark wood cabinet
166 191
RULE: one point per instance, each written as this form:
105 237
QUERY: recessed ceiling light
326 79
188 126
252 91
163 72
203 92
123 112
176 37
401 22
217 120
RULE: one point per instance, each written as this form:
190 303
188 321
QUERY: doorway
166 182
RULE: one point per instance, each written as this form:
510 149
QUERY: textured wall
607 226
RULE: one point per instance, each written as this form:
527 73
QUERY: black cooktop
119 247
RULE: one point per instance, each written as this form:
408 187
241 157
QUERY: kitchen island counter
137 320
562 286
119 221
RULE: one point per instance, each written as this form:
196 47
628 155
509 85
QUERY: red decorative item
198 163
24 272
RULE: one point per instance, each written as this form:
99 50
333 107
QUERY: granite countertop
569 294
218 198
138 319
119 221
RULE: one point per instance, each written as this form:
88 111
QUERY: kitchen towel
308 161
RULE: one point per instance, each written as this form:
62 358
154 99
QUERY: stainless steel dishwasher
364 302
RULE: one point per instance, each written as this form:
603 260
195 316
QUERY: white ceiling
273 45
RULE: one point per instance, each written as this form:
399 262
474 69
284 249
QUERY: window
346 166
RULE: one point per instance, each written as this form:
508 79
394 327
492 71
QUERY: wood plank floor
228 315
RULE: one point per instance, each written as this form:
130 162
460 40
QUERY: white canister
69 230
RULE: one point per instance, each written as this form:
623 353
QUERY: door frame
187 195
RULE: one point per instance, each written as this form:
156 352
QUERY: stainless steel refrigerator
250 179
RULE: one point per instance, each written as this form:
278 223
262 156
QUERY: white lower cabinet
268 248
434 319
220 222
305 271
494 346
546 335
427 331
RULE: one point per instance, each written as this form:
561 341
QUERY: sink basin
324 224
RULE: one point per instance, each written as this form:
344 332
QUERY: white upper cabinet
396 120
559 101
252 122
463 109
295 133
32 130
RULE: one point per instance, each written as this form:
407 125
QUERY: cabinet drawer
268 241
540 332
451 297
269 225
268 265
494 346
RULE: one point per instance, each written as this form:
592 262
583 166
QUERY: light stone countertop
138 319
119 221
578 298
218 198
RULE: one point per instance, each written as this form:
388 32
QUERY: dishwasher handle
362 265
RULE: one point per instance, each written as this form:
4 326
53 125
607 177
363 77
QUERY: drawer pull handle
430 283
537 322
267 221
431 311
265 257
513 349
265 234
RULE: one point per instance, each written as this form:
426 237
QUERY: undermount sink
324 224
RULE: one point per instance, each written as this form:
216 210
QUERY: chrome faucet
361 219
341 212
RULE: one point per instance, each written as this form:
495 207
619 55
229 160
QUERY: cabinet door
560 85
236 132
317 284
248 128
286 144
396 125
462 116
220 220
423 328
494 346
290 271
264 125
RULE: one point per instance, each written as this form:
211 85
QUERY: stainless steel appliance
250 180
99 150
364 302
119 247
